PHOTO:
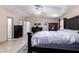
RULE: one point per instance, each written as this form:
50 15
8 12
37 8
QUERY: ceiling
39 10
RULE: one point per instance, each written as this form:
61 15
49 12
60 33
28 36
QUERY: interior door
53 26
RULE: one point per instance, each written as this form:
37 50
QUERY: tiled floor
13 45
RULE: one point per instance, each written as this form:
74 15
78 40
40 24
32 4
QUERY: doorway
26 27
53 26
10 27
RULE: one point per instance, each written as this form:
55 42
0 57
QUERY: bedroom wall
71 13
3 22
43 20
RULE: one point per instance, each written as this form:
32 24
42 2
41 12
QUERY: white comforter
56 37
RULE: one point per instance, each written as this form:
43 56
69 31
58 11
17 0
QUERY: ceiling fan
39 9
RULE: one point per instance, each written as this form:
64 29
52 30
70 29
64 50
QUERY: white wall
71 13
3 22
43 20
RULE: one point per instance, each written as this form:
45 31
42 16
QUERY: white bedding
56 37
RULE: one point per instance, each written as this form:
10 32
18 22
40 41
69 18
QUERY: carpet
24 49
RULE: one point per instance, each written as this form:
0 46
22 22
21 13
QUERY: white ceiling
45 11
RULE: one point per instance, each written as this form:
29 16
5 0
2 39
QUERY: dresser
18 31
36 29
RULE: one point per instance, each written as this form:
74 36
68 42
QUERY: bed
66 41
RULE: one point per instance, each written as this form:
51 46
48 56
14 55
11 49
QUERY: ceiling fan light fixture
38 9
38 6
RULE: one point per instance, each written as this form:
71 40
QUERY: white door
26 27
10 27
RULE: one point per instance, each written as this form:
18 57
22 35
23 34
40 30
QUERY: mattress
62 39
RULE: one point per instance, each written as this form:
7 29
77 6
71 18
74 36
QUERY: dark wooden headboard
71 23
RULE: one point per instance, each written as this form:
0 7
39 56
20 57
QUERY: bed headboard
72 23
